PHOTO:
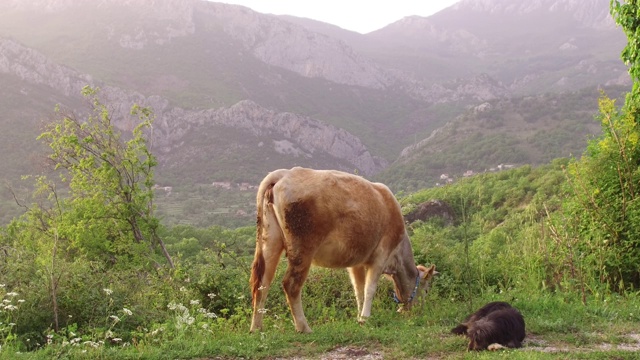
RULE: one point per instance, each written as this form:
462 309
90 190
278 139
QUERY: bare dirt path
630 343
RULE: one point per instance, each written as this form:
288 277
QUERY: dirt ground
531 343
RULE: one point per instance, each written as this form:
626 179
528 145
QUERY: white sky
356 15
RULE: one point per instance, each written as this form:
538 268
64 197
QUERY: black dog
495 325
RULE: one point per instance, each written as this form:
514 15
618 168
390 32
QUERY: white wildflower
262 287
211 295
115 318
194 302
107 291
127 311
21 301
116 340
12 294
211 315
262 311
91 343
183 289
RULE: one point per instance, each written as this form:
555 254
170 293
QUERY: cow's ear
426 273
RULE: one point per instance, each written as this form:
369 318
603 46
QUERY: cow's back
342 218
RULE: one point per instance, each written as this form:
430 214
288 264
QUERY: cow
331 219
493 326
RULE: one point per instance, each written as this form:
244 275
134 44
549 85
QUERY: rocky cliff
172 123
292 47
589 13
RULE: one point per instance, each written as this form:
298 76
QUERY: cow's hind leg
292 282
264 268
358 275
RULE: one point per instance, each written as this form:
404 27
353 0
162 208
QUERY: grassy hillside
499 248
526 130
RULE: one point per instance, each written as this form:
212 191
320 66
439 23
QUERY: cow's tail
264 198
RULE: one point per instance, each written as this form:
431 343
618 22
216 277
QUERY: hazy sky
356 15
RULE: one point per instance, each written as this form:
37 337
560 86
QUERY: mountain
238 93
500 134
530 46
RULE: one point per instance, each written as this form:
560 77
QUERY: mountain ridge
311 135
238 93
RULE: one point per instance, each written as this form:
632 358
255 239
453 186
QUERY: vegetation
84 272
530 130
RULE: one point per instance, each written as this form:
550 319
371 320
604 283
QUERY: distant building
221 184
246 186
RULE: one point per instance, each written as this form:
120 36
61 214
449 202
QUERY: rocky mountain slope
530 46
237 93
305 135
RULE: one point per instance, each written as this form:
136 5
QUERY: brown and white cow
336 220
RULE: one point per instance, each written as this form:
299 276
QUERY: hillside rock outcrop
172 123
292 47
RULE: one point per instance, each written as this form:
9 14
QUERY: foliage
599 220
604 210
627 17
498 240
532 130
108 212
90 230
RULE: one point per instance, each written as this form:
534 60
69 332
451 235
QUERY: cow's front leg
358 275
371 283
292 282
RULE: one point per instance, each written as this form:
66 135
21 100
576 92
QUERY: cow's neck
406 272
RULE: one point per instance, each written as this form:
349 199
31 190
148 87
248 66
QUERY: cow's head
423 284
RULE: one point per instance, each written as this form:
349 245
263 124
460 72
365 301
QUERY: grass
559 326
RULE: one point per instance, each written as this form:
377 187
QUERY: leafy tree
108 212
605 203
627 16
605 183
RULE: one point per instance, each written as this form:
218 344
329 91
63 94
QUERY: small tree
605 183
108 213
605 205
627 16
